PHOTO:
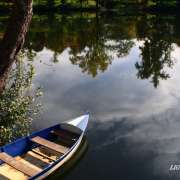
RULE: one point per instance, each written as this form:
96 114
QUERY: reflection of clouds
127 113
162 129
116 93
155 140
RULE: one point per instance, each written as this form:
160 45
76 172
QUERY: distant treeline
108 4
99 4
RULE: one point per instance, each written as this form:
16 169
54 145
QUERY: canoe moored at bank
40 154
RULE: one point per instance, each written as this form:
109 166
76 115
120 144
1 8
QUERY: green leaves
17 102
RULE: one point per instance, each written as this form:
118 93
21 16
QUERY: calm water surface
125 71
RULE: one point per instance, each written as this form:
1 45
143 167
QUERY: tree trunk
14 36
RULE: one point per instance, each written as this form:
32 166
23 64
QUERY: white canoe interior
34 161
80 122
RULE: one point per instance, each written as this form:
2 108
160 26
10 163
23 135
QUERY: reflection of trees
92 60
91 38
94 56
155 52
121 47
156 55
86 35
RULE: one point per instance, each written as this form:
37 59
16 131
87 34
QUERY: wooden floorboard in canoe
49 144
39 157
31 159
47 153
24 168
9 173
30 162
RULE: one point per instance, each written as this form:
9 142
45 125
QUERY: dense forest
98 4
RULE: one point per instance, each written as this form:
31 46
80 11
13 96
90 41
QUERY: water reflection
95 41
133 131
156 50
93 59
134 127
89 44
131 149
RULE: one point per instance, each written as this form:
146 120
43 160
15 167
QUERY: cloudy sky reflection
134 127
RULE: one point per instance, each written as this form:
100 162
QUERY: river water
124 69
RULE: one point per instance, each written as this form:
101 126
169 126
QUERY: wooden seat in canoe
49 144
20 166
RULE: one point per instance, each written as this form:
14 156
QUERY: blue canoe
38 155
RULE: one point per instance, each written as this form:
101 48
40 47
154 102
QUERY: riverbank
129 8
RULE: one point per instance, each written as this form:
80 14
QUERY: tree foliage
17 104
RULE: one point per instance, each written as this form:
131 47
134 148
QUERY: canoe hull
74 129
57 166
81 123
